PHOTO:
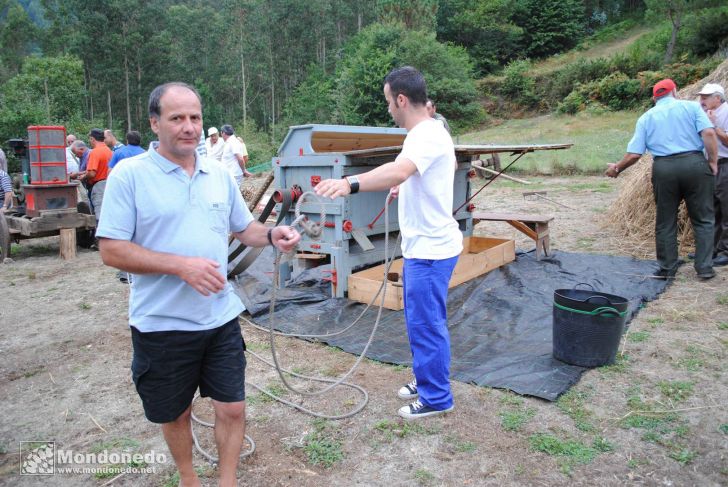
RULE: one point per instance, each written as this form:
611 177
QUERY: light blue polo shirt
152 202
670 127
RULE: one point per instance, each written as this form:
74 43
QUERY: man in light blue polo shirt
676 132
167 217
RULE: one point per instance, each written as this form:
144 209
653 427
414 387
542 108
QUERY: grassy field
598 138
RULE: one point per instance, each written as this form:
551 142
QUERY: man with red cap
676 132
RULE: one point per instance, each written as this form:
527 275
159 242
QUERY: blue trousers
425 284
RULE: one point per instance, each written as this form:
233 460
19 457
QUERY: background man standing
712 99
71 161
97 170
131 149
234 154
214 144
111 141
432 112
675 132
167 220
431 237
6 190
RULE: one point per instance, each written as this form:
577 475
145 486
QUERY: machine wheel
4 238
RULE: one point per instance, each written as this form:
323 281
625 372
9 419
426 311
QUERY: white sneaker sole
405 413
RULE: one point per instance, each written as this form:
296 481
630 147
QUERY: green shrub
556 85
549 26
573 103
517 85
619 92
705 32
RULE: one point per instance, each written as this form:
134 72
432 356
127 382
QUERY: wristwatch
354 183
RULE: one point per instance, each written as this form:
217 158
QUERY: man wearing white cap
712 99
214 144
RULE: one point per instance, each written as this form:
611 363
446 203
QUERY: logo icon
37 457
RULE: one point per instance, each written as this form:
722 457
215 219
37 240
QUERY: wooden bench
535 226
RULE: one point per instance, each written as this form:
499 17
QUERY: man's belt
679 154
722 160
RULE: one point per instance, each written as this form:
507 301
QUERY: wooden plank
363 289
68 243
523 228
502 175
461 149
346 141
502 217
311 256
51 221
480 255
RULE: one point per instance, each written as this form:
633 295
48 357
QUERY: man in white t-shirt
214 144
431 237
234 154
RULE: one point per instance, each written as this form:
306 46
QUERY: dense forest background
262 65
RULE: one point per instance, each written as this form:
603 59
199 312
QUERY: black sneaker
720 260
408 391
417 410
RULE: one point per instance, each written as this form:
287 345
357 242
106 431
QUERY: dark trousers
688 177
721 208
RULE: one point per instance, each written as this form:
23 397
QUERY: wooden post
68 243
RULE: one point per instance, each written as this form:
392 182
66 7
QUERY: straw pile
633 213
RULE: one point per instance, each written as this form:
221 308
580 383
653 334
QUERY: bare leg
229 434
178 435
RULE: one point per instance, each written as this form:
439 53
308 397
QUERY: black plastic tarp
500 324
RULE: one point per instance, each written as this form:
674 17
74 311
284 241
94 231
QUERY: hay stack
633 213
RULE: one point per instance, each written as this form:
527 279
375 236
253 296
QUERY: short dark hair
133 137
96 134
227 129
155 108
409 82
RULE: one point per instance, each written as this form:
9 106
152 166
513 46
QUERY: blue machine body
351 238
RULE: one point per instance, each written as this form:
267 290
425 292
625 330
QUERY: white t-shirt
215 151
721 121
71 161
425 206
233 146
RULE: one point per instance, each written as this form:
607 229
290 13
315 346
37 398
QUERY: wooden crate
480 255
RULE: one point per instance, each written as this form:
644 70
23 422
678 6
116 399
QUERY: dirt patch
656 417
